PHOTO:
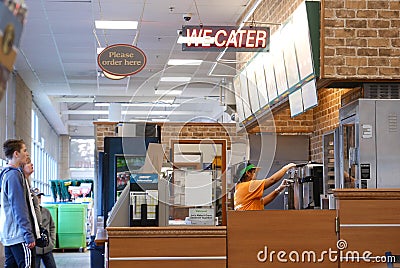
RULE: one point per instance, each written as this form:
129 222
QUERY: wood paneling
159 244
282 230
167 247
369 221
369 212
165 264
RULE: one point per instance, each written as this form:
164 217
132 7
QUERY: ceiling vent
382 91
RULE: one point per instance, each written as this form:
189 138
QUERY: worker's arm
271 196
277 175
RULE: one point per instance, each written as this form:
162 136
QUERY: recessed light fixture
168 92
184 62
175 79
117 25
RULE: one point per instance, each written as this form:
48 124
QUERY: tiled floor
72 259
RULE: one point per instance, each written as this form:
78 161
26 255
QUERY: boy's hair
12 145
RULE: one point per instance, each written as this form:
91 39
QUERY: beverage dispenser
305 186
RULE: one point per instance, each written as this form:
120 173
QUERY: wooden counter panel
378 240
166 247
288 230
168 264
369 211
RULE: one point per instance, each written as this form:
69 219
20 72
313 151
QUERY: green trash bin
72 225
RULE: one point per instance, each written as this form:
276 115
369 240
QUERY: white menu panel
296 103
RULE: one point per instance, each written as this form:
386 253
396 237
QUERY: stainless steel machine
369 141
305 186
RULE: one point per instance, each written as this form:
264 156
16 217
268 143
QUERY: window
44 164
82 158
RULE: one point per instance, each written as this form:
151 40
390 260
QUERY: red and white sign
218 38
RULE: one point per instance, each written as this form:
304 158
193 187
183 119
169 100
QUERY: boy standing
16 229
46 253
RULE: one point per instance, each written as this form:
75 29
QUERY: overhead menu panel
279 63
302 42
245 94
252 87
309 95
270 77
260 80
287 68
296 103
238 98
289 53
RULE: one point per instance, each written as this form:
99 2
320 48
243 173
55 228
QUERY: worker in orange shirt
249 190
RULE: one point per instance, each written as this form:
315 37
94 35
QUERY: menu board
270 77
296 103
309 95
290 54
252 87
238 98
245 94
302 41
286 68
260 79
279 63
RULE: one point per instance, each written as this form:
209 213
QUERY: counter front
175 247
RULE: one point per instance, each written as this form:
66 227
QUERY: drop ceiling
58 60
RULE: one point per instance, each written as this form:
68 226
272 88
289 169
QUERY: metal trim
167 258
371 225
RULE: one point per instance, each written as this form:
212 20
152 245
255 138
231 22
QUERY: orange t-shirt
248 195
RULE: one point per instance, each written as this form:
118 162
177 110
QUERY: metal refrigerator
369 142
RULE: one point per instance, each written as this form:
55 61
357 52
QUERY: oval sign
121 60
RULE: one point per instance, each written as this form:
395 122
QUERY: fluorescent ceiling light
175 79
97 104
184 62
160 119
144 113
166 105
168 92
195 40
121 25
84 112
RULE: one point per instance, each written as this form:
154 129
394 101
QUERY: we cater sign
121 60
219 38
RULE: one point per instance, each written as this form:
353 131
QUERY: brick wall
361 39
102 130
282 123
173 131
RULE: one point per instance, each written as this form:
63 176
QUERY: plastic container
72 241
72 225
72 218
